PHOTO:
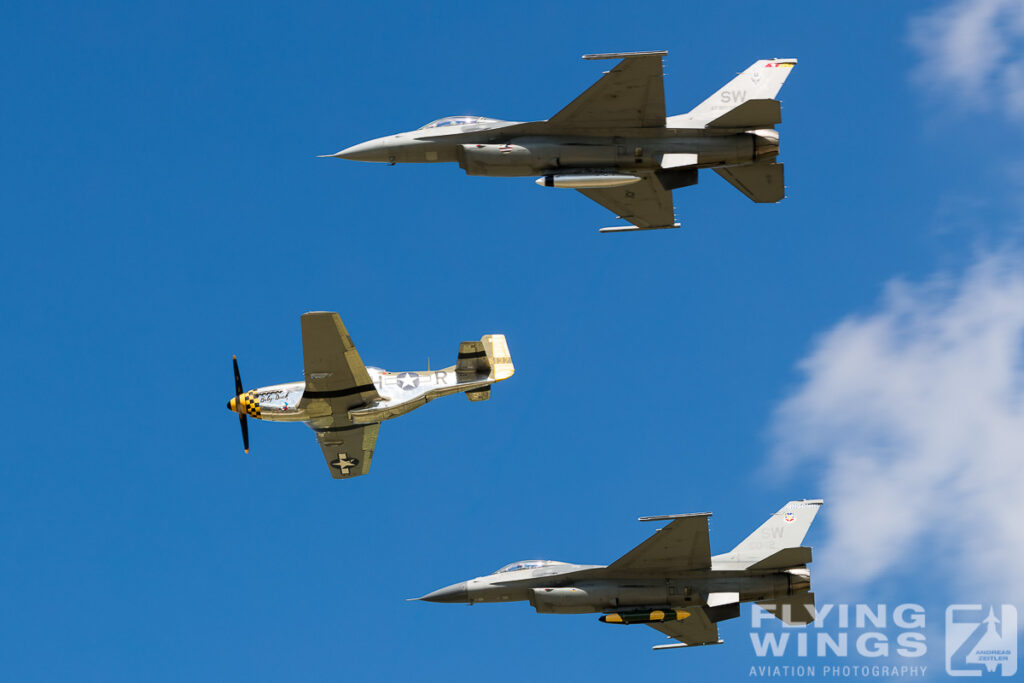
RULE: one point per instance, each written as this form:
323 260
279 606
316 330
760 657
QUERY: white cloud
971 52
915 415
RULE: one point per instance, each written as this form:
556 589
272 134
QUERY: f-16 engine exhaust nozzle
584 181
766 143
799 580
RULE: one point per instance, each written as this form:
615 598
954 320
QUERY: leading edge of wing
630 95
681 545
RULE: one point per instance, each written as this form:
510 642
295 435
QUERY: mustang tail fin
488 358
762 81
498 357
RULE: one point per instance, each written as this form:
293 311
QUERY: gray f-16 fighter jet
614 142
345 401
669 582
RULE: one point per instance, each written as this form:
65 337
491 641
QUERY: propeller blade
244 421
238 377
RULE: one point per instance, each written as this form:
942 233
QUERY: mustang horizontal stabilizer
681 545
763 183
631 95
348 450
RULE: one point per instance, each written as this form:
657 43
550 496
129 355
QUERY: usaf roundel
408 380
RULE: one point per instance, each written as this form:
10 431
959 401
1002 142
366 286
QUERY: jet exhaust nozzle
584 181
799 580
766 143
646 616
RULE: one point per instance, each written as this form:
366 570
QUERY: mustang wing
696 629
631 95
681 545
348 450
334 371
646 204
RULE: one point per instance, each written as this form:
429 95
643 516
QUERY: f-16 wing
646 204
334 371
681 545
348 450
631 95
696 629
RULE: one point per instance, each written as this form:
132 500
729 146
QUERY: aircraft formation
616 145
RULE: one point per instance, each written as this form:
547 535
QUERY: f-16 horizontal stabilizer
792 609
750 114
763 183
787 557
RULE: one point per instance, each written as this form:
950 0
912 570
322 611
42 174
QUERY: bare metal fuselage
400 392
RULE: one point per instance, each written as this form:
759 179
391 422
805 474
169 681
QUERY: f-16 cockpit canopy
457 121
527 564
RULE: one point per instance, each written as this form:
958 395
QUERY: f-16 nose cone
455 593
371 150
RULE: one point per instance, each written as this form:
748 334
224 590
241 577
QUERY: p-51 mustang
669 582
345 401
614 142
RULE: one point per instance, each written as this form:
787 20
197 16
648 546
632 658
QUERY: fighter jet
614 143
669 582
345 401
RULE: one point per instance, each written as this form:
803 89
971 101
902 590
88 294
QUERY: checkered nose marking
246 403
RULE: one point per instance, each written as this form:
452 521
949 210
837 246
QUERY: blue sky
164 210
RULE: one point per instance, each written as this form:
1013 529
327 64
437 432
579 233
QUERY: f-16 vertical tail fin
762 81
784 530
